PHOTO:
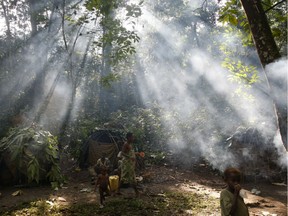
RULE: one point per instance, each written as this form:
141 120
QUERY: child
232 204
102 184
102 162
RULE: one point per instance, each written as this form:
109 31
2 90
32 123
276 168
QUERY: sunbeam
202 86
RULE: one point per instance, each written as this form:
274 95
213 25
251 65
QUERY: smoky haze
39 73
179 68
202 103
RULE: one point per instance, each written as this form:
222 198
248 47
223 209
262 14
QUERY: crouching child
103 185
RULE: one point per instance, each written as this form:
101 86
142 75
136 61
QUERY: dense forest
184 76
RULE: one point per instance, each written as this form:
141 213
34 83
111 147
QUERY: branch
204 2
63 25
274 5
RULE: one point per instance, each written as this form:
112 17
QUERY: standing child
102 184
232 204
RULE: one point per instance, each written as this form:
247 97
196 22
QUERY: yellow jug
114 182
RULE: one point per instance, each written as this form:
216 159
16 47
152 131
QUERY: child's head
130 137
232 176
103 156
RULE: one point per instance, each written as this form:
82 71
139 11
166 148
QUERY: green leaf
233 20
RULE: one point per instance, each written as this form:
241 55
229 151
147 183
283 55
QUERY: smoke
202 105
181 69
277 73
37 73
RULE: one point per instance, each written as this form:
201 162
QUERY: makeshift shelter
101 141
29 154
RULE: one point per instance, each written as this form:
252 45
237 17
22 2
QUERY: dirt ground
271 201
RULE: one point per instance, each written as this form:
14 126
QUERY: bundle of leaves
32 153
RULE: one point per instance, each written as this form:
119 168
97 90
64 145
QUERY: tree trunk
268 52
33 16
67 120
105 96
7 22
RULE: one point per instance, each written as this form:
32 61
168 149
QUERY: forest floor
166 191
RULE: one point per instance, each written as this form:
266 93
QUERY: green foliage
33 149
155 128
33 168
104 7
277 18
232 13
240 72
133 10
118 38
146 125
106 81
77 133
237 60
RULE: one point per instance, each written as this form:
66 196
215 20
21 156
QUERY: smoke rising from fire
189 80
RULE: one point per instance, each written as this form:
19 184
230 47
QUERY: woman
128 163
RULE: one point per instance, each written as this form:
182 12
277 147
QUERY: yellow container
114 182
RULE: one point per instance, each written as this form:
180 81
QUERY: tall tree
116 44
268 52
